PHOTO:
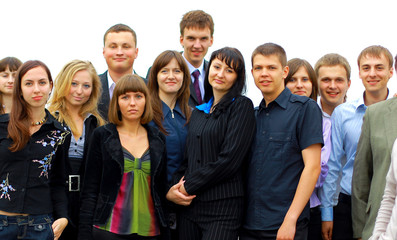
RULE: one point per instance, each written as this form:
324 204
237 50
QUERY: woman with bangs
220 133
8 70
125 181
301 79
169 83
74 104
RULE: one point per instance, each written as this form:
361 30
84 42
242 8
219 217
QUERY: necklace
39 122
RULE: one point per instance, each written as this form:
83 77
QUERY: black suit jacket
104 101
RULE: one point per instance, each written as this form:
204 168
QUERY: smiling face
221 76
80 89
120 51
300 83
375 73
170 79
132 106
333 85
36 87
195 43
7 81
269 75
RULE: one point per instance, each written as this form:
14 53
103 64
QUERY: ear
136 52
285 72
181 40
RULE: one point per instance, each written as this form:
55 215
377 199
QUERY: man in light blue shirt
346 120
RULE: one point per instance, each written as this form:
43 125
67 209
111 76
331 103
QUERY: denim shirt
284 128
174 123
32 179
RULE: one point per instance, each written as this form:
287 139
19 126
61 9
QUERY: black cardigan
103 176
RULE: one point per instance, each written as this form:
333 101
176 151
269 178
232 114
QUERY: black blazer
104 101
103 176
217 147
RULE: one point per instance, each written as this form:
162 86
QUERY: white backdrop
56 32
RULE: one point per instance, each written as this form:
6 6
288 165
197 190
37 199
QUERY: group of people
183 154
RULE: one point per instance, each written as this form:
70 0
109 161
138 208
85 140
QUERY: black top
32 179
217 146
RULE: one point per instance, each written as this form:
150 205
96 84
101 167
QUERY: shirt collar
281 100
110 80
192 68
167 109
206 107
321 107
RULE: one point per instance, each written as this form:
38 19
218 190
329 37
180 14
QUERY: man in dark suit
197 29
120 52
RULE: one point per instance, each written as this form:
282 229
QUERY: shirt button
75 144
198 160
75 150
198 136
81 138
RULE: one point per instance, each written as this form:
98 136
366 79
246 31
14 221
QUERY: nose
10 78
197 43
132 101
332 85
119 51
299 83
372 72
79 89
220 73
36 87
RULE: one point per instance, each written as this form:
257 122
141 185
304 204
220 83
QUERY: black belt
345 198
74 183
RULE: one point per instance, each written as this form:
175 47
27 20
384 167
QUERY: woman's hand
58 226
176 196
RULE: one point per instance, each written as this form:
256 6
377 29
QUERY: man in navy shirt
285 157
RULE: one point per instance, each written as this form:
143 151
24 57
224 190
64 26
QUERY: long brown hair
183 94
20 116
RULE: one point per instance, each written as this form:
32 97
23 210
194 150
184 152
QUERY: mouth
300 92
373 82
133 111
37 98
78 98
265 83
218 81
332 94
119 59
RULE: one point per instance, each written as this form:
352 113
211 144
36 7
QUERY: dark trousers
32 227
343 228
300 234
314 232
212 220
99 234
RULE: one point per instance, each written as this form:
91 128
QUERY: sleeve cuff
327 214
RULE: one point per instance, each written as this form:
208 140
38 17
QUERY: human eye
325 80
28 83
74 84
43 82
139 95
124 96
87 86
292 80
305 79
380 68
4 74
164 70
178 70
126 46
230 70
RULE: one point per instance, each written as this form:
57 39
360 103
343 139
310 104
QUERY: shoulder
382 106
299 99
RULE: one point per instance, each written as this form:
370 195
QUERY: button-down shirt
346 119
174 123
288 125
325 152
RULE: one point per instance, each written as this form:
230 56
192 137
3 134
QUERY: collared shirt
288 125
111 81
325 152
201 77
174 123
346 119
32 179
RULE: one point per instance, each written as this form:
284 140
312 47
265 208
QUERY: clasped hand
178 194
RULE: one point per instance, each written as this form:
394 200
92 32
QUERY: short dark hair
268 49
120 28
196 19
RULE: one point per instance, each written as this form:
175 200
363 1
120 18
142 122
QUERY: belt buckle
74 183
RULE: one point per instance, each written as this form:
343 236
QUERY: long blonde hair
62 86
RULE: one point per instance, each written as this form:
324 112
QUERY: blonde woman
74 103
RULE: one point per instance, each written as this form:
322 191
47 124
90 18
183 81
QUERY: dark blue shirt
287 126
174 123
